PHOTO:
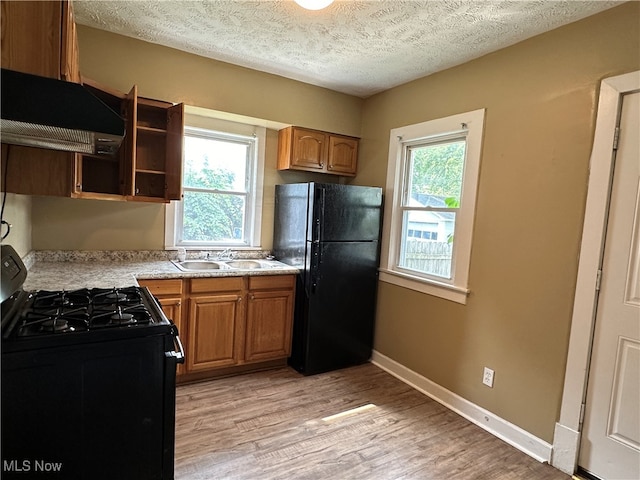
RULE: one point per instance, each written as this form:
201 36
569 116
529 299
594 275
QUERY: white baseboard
506 431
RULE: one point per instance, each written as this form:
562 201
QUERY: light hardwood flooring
274 425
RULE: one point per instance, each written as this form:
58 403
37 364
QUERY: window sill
430 287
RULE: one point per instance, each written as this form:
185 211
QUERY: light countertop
75 271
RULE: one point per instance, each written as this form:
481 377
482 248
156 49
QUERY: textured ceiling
359 47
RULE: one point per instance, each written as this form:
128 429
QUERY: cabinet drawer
163 287
271 282
225 284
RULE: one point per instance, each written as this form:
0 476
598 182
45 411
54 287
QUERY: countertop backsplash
130 255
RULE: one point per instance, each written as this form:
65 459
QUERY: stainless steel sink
226 265
244 264
198 265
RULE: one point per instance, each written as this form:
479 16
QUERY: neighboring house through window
431 192
222 188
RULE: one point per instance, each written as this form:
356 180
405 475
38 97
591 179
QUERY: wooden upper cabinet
147 167
69 52
40 38
308 149
36 171
155 130
101 176
317 151
343 155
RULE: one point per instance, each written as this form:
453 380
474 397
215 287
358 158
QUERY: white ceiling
359 47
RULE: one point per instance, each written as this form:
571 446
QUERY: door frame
566 439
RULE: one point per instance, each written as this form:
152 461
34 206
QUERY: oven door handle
179 354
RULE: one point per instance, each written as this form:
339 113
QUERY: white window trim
457 289
174 208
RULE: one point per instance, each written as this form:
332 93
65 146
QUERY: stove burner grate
56 325
117 296
50 312
47 299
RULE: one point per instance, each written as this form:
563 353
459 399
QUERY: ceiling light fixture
314 4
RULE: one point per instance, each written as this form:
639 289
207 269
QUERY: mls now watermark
30 466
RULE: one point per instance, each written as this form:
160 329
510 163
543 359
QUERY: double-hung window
431 183
222 190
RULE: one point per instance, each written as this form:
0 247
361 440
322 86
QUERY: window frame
471 126
231 131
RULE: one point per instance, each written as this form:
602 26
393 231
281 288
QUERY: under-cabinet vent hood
48 113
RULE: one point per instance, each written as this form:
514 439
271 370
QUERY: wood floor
275 425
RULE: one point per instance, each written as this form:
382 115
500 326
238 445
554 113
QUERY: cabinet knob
239 299
322 165
79 186
252 296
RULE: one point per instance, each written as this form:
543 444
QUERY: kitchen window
222 188
431 186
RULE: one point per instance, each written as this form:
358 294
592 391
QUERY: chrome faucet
226 254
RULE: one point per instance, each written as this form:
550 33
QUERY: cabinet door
169 294
31 37
156 156
175 140
172 308
343 155
69 54
37 171
130 140
309 149
215 331
269 322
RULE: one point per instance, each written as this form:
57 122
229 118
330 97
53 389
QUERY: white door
610 442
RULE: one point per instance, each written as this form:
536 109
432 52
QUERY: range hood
48 113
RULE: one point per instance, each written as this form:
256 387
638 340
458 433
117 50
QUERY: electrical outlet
487 377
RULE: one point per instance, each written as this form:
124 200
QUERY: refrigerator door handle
315 265
319 214
316 246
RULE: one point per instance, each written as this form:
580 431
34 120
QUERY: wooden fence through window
429 257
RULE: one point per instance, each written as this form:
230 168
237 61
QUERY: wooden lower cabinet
229 324
269 318
169 293
216 323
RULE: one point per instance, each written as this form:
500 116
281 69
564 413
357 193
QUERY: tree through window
217 185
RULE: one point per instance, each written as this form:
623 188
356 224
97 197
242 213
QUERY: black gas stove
44 318
88 381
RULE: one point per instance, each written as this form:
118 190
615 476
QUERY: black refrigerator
331 233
